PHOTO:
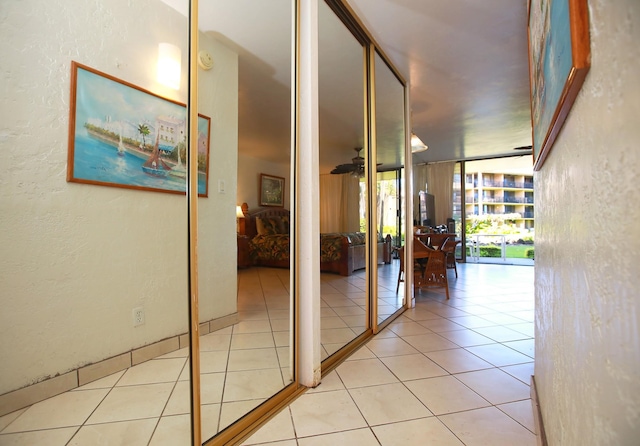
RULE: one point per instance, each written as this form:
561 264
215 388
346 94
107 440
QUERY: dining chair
401 271
417 269
449 248
434 274
418 260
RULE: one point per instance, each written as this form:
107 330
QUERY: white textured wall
76 259
588 248
217 241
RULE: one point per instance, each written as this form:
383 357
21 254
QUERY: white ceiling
464 60
466 63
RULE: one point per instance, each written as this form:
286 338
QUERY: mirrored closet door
389 185
99 265
343 272
244 225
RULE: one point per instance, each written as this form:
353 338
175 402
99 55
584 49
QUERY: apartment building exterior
500 193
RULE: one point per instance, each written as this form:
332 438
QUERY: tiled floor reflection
446 372
148 404
451 372
241 366
343 304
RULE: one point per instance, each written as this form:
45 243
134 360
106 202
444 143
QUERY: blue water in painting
558 62
98 161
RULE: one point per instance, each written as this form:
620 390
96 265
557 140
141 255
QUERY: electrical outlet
138 316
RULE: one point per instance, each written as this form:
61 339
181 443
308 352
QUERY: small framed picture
271 190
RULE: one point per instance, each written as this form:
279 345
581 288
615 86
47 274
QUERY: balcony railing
516 200
507 183
477 243
522 214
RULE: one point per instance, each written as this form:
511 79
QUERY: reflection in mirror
342 191
390 152
100 273
94 277
246 353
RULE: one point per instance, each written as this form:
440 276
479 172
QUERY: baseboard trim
47 388
537 415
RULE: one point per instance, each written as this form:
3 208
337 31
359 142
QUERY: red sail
154 161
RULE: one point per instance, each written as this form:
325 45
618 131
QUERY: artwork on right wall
559 60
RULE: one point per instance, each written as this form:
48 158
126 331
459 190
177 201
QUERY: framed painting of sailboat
121 135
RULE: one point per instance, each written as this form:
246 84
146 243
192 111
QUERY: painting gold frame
559 60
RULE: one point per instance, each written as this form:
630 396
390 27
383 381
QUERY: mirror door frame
307 367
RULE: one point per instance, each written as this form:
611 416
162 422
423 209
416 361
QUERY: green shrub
490 251
492 224
530 253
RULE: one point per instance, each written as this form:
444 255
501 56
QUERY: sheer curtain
339 201
419 184
440 184
439 180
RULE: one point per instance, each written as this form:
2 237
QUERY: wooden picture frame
271 190
121 135
559 60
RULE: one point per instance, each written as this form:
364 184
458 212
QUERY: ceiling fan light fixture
417 145
355 168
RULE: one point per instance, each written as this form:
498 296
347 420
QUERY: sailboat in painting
121 150
155 165
179 170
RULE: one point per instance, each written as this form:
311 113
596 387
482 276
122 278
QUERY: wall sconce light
169 65
239 219
417 145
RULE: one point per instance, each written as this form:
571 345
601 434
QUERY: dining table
435 239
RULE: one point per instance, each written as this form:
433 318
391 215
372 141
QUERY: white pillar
307 198
408 202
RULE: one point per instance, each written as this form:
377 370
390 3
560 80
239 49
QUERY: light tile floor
451 372
445 372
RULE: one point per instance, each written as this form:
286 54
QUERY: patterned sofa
342 253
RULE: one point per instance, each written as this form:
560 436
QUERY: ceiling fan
356 167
